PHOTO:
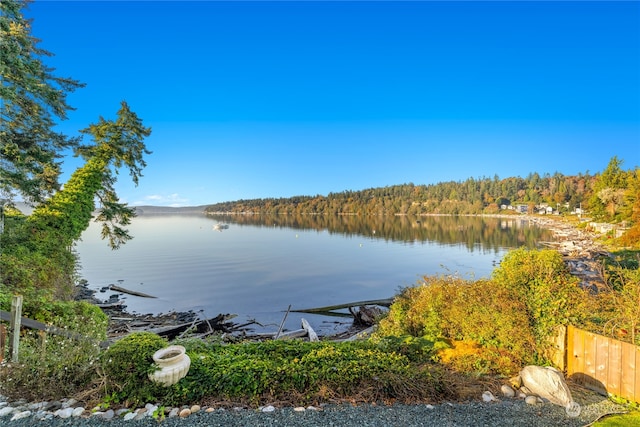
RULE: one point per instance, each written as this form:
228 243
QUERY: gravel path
506 412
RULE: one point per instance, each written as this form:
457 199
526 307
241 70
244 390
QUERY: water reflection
260 265
473 232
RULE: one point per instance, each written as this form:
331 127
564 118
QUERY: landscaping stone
129 416
531 400
487 396
20 415
6 411
64 413
548 383
507 391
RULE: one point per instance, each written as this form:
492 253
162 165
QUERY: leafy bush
126 366
416 349
51 365
497 325
621 304
542 281
35 265
451 309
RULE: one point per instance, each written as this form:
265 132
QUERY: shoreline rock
579 248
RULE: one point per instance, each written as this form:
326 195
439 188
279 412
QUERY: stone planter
174 365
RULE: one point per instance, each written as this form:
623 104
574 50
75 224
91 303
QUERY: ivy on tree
68 213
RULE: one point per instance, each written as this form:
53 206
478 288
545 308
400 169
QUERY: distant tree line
611 196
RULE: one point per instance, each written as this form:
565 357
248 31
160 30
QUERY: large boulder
549 384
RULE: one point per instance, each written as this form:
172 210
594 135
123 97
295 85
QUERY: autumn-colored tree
608 192
632 209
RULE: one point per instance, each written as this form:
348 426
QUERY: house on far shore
522 209
544 209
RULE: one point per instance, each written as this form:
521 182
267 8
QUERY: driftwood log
110 304
313 337
330 309
366 315
130 292
305 331
196 327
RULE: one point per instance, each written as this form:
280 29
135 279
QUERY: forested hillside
609 196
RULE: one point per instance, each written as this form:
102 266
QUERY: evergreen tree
32 98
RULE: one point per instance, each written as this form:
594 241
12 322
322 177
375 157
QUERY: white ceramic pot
174 364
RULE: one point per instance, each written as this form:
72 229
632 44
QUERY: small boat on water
220 227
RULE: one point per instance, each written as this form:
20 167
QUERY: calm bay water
259 266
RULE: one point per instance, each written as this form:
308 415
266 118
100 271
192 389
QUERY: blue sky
276 99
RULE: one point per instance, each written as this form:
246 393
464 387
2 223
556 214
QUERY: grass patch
631 419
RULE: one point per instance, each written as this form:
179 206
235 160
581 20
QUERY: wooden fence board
628 365
636 375
577 343
558 351
602 358
614 367
590 353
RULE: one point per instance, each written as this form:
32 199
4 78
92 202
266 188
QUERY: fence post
16 315
557 351
3 337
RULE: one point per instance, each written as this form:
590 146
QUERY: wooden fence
603 364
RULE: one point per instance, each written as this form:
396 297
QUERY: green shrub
621 302
52 365
35 266
550 293
126 366
451 309
416 349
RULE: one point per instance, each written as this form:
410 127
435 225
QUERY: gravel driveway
506 412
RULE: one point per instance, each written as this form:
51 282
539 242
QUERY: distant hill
140 210
157 210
